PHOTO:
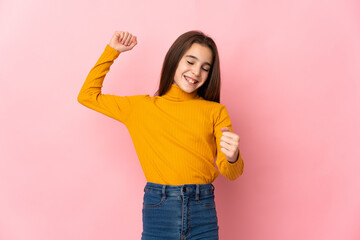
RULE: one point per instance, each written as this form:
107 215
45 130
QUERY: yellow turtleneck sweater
176 136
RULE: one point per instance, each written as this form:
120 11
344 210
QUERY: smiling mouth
190 80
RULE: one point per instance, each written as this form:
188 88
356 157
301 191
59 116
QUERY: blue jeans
179 212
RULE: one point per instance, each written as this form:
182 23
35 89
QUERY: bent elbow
233 178
235 175
80 98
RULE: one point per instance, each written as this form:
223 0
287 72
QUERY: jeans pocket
152 199
206 200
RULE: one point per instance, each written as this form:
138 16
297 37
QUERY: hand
123 41
230 144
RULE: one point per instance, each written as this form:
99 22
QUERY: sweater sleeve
229 170
116 107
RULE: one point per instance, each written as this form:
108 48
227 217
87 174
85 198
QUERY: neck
175 93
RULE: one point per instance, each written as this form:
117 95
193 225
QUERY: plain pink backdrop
291 84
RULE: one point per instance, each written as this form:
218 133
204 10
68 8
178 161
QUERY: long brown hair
210 90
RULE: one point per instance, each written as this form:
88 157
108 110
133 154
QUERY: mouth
190 80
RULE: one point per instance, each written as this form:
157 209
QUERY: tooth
191 80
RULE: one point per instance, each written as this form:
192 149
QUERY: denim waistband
185 189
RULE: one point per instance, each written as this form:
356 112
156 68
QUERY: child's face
194 66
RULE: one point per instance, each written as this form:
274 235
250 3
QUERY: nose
196 71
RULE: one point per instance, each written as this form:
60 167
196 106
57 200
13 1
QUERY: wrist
237 158
114 48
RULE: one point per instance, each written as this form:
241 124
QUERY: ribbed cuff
111 51
237 159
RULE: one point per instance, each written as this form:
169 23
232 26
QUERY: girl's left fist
230 144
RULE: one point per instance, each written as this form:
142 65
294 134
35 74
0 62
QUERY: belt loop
197 192
213 187
163 192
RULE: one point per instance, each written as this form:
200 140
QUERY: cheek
182 66
205 75
179 70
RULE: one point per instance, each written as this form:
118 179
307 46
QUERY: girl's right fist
123 41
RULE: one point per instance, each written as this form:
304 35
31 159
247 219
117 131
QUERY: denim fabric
179 212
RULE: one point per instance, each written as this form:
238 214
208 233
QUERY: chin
189 89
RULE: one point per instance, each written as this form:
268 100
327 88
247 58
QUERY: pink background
291 84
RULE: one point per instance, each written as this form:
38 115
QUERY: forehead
202 52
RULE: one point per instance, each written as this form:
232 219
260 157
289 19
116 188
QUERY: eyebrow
191 56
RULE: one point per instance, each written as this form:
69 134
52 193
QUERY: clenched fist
123 41
230 144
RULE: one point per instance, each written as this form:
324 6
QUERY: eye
191 63
206 70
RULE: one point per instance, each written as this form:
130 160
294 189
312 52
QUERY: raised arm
90 95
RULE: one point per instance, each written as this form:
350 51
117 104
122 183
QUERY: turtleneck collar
175 93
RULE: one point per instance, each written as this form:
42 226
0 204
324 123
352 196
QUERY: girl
176 134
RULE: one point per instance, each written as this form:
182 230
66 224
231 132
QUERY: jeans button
184 189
